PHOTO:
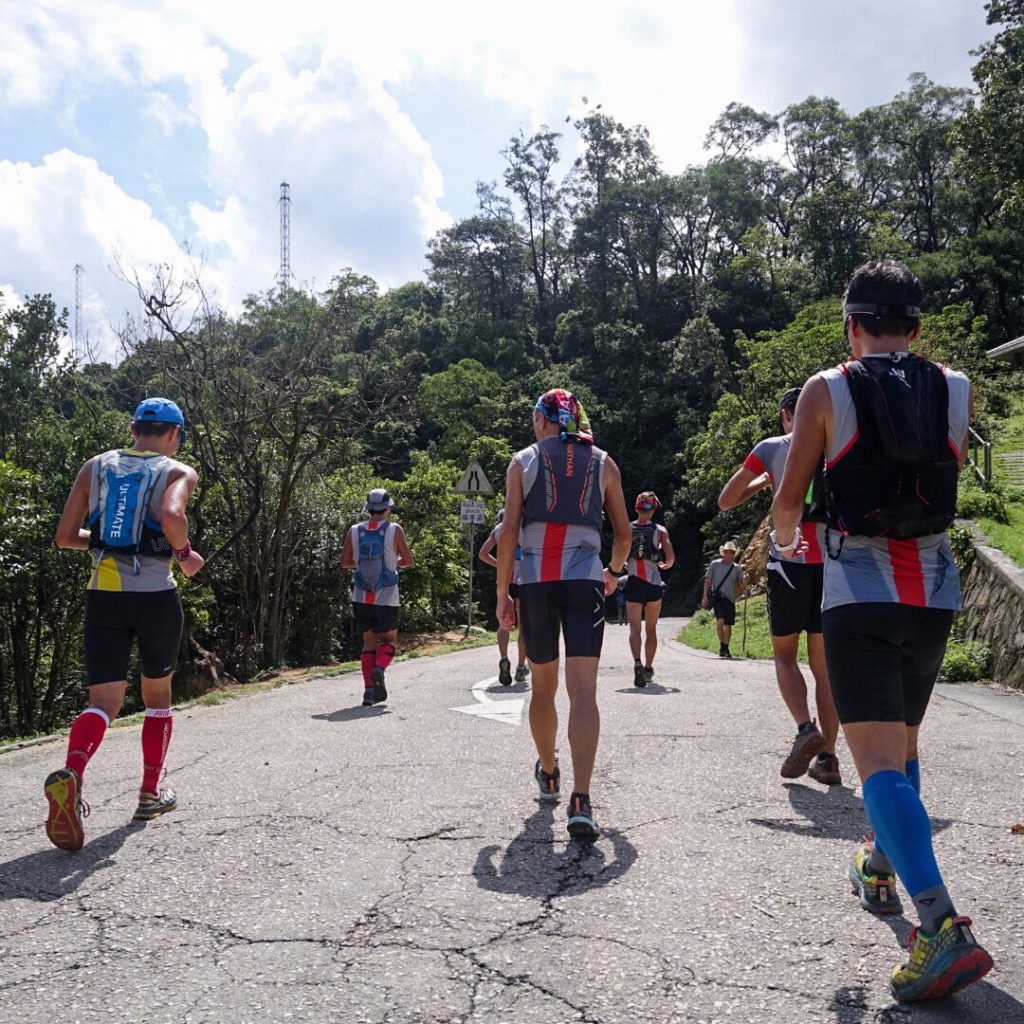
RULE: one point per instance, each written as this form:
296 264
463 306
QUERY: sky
137 135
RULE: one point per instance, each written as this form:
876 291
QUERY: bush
975 503
966 661
961 540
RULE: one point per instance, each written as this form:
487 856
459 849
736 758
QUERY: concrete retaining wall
994 611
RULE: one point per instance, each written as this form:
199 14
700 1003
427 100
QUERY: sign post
473 484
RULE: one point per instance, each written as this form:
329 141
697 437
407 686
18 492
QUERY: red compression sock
368 659
385 652
86 735
156 738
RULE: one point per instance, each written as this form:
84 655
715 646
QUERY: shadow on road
523 687
51 874
982 1003
535 865
834 813
348 714
651 689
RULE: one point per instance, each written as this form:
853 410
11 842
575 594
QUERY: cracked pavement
330 863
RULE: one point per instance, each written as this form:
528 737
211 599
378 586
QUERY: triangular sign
474 481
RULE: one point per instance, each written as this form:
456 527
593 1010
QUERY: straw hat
729 545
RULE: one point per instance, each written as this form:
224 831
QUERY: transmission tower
285 273
76 349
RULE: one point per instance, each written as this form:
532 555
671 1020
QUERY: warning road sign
474 482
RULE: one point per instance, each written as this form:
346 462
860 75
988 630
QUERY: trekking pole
743 643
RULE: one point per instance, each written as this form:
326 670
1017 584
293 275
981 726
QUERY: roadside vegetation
678 306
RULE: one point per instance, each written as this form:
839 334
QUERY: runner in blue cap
127 509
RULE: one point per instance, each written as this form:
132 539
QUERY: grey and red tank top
919 571
563 505
769 456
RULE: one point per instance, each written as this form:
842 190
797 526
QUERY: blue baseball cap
160 410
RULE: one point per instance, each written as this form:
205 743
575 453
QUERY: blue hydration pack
119 518
372 572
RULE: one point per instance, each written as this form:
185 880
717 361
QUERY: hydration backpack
372 572
642 546
120 521
899 478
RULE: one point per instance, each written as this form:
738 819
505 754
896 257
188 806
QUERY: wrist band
791 546
180 554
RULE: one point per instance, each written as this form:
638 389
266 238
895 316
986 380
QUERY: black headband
882 309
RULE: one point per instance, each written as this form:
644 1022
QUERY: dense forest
678 306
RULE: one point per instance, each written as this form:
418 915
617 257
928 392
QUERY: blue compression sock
878 862
902 827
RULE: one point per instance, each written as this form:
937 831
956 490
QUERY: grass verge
700 631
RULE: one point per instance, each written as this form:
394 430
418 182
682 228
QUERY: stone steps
1012 464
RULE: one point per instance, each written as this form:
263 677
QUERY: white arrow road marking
508 711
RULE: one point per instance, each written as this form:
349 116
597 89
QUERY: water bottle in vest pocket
120 520
372 572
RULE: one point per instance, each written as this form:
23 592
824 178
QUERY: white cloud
67 211
306 93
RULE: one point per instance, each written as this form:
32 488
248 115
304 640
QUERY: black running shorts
794 597
513 591
883 659
643 591
573 607
114 619
375 618
725 610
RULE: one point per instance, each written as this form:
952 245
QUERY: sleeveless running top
142 573
769 456
516 573
386 596
919 571
563 502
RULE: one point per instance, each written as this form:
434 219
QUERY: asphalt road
334 863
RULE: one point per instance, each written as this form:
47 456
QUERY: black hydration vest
899 477
568 485
643 545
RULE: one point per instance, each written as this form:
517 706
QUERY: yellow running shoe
941 964
63 791
877 892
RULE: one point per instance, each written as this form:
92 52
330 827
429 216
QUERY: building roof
1006 350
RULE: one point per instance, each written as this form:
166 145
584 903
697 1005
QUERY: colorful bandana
647 502
563 407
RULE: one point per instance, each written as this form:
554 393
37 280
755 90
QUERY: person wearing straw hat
723 583
376 549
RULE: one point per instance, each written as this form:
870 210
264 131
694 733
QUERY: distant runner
504 665
794 607
650 553
892 428
723 583
133 501
556 491
376 549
